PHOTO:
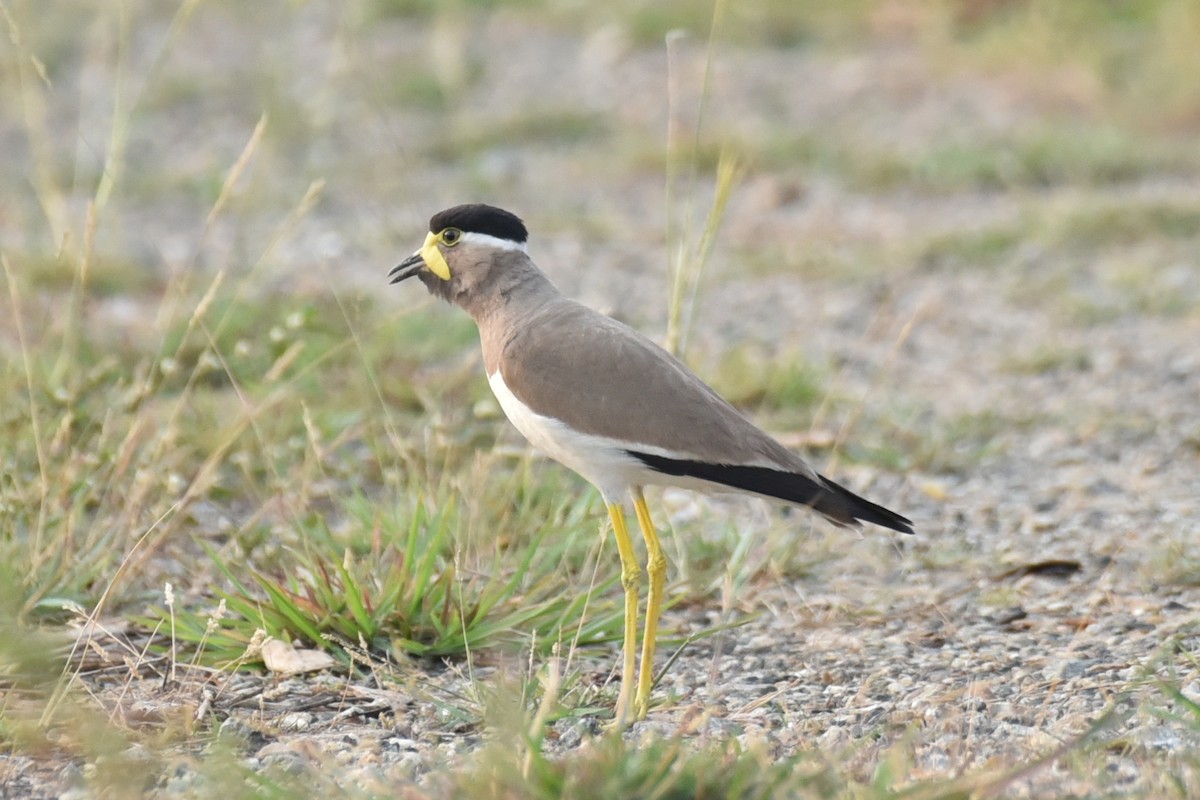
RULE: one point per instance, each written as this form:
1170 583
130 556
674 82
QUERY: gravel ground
1053 576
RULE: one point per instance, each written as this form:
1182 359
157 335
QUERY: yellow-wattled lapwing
604 400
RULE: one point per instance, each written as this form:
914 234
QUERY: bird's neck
513 295
507 310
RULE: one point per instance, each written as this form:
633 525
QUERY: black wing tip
892 521
837 503
859 509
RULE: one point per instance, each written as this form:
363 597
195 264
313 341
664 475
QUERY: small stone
281 755
234 728
295 721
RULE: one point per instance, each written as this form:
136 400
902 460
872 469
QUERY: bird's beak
407 268
429 256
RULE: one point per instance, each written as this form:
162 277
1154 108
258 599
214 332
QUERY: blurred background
865 132
946 247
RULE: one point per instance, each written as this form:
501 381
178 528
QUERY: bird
607 402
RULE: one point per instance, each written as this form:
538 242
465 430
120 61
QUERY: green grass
1048 358
609 767
408 584
1030 159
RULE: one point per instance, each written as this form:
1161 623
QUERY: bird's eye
451 236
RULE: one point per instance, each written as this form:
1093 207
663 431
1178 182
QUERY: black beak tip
405 269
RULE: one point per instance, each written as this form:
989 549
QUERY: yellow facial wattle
433 257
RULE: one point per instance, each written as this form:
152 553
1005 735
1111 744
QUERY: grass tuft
609 766
406 587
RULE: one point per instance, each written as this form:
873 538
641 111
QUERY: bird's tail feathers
843 506
836 503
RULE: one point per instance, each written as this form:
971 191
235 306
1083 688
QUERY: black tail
838 504
859 508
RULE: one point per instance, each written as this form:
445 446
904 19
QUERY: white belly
603 462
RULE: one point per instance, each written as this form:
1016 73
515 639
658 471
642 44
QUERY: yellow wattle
433 257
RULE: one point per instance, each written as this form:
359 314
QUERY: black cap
479 218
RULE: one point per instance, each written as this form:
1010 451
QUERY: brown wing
603 378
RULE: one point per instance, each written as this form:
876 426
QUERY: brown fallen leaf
284 659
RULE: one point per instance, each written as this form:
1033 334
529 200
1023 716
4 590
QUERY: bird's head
467 247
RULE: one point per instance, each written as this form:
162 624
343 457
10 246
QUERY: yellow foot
631 576
656 565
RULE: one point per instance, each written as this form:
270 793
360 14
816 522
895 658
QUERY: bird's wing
603 378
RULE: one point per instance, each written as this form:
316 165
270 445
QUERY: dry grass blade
687 260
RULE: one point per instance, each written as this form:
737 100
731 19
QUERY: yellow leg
631 576
656 565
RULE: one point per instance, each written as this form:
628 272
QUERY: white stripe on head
471 237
